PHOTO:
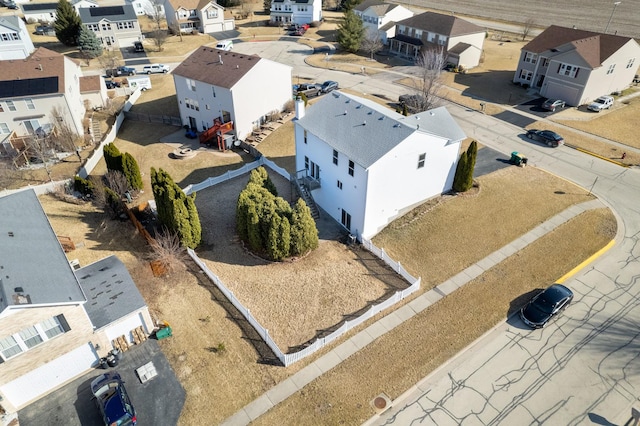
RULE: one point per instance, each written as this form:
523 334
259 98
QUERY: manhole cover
380 403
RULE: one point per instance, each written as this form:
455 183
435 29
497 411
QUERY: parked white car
155 69
603 102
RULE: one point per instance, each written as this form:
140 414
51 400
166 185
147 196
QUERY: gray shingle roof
10 22
448 25
365 131
111 292
124 12
35 270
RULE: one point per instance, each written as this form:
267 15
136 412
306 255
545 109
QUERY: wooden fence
153 118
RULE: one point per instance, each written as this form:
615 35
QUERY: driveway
158 402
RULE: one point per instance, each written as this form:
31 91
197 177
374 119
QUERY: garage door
559 91
127 42
39 381
124 327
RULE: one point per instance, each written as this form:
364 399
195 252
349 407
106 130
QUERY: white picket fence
288 359
230 174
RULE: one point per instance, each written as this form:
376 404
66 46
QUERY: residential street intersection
581 369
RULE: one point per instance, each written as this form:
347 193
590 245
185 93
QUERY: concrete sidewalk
291 385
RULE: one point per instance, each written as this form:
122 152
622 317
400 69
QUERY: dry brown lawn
400 358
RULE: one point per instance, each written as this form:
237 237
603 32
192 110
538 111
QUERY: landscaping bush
83 186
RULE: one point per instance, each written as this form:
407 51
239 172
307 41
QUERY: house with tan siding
461 41
116 27
577 66
56 322
379 18
205 16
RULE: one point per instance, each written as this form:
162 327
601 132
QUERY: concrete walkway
291 385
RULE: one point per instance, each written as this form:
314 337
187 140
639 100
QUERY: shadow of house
493 86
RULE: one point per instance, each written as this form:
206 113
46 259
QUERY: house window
212 13
29 103
93 27
54 326
306 163
525 75
531 58
125 25
11 106
339 185
191 84
568 70
213 90
9 347
351 167
105 26
346 220
611 68
421 159
630 63
335 157
30 337
305 136
4 128
545 62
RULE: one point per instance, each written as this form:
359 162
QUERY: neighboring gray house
577 66
46 12
367 165
55 322
461 40
380 18
150 8
115 26
15 42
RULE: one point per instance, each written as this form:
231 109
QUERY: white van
225 45
142 82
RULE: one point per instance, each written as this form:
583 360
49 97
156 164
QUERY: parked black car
553 104
112 84
45 30
548 137
112 400
138 47
546 305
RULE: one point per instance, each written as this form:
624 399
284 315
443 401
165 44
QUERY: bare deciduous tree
158 13
8 173
64 137
526 28
167 250
38 148
116 181
159 38
109 61
175 30
430 62
371 43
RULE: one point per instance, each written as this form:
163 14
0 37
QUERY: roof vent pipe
220 58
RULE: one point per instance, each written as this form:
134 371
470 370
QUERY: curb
593 154
587 261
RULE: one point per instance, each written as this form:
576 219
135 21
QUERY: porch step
96 133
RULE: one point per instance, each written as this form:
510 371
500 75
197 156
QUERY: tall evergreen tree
176 210
350 32
304 233
460 176
67 24
89 43
131 171
472 153
347 5
113 157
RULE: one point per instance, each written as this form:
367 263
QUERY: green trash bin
163 333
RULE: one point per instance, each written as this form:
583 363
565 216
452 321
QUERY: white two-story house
366 165
55 322
380 18
295 11
214 84
150 8
577 66
205 16
461 41
15 42
115 26
46 12
32 89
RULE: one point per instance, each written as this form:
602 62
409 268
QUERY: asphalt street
581 369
